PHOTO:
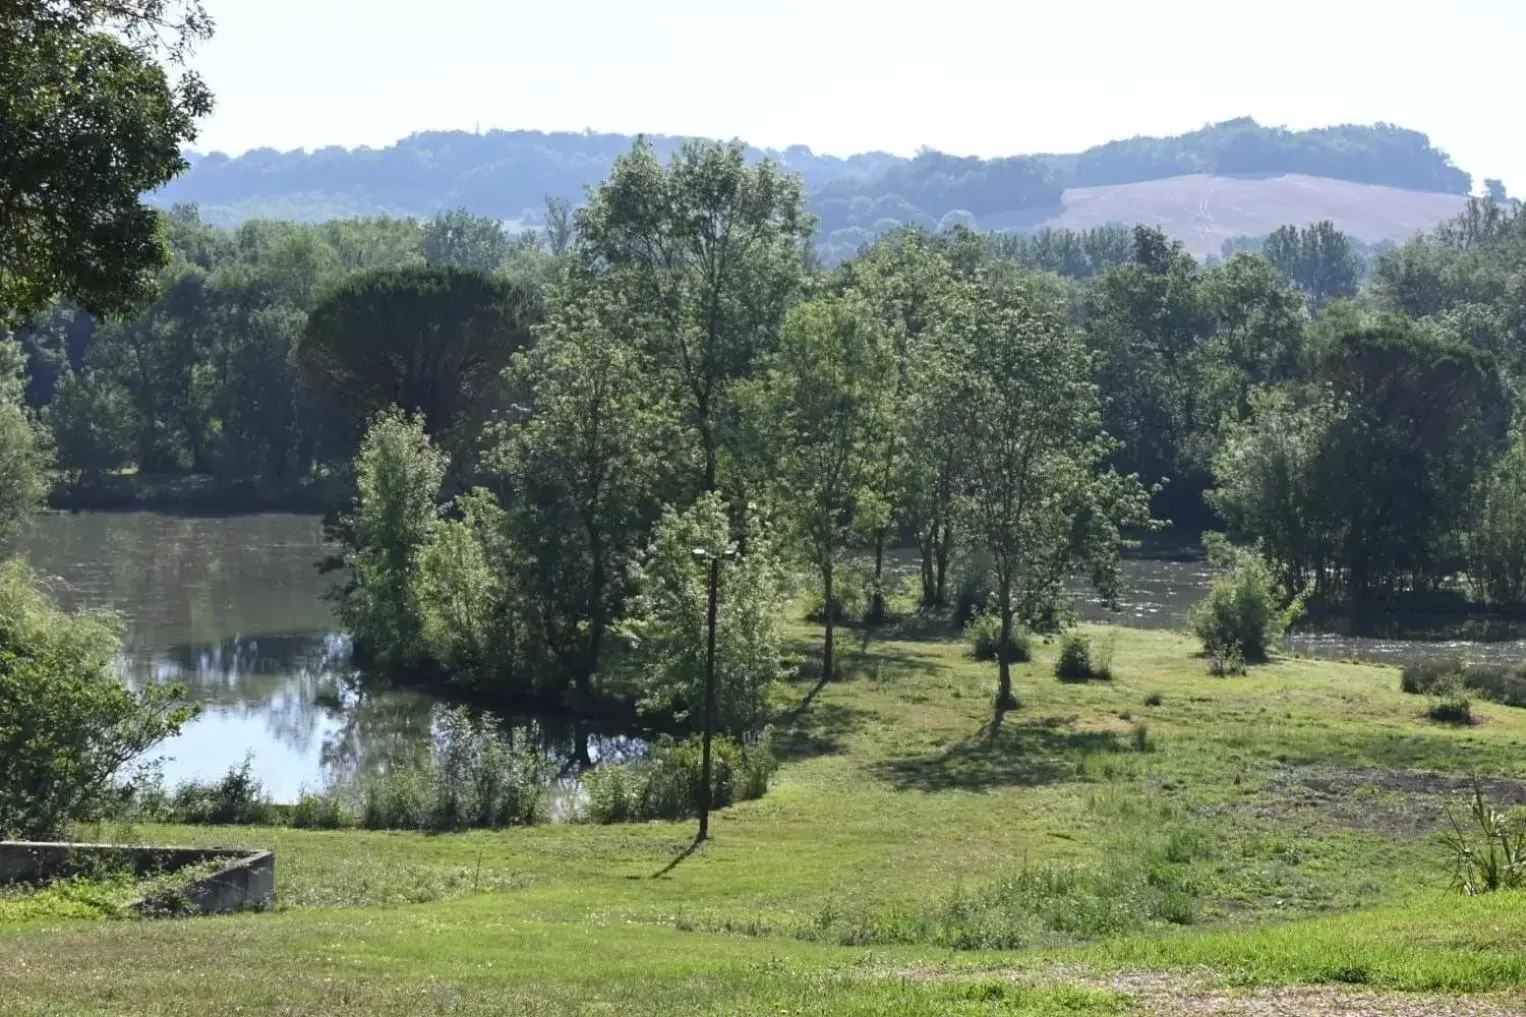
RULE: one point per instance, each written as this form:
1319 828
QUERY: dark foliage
433 340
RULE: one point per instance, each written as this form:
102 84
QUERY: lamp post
711 710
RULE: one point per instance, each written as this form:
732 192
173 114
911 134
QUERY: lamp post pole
710 696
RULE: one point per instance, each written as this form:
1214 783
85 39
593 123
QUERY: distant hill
1198 185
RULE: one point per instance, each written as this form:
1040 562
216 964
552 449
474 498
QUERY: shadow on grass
815 729
916 627
1026 754
678 860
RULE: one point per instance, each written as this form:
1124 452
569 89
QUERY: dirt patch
1313 1002
1394 803
1505 792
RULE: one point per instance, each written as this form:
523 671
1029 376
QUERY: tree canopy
433 340
91 122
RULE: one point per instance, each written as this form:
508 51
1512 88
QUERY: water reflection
235 610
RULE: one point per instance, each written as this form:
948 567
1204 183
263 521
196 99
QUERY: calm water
234 609
1158 594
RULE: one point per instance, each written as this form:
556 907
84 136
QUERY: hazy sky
984 77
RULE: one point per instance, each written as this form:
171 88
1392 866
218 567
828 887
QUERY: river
234 608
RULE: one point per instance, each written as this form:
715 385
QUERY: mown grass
912 857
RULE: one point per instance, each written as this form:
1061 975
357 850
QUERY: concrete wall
250 882
247 881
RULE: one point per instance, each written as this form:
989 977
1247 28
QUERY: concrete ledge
247 880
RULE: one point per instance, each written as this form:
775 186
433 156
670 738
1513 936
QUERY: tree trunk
1004 698
828 649
927 543
710 699
944 546
877 610
580 755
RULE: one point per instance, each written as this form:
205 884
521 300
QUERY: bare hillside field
1203 211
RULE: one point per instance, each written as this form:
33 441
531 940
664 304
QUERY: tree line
268 349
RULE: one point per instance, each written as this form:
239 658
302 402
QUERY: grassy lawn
1166 842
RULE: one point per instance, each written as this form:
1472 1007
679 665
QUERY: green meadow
1162 842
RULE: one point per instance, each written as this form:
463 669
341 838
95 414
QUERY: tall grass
471 777
666 784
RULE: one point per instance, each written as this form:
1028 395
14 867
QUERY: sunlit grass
1275 828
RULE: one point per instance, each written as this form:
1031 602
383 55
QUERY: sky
971 77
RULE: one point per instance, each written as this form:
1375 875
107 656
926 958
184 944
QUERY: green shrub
1241 612
68 723
1498 683
1226 660
398 799
666 784
972 596
1154 699
984 635
1451 708
851 599
238 799
614 793
1423 678
323 811
1074 663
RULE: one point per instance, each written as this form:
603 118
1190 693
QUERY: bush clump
984 635
1422 678
1242 616
238 799
1074 664
1452 707
69 724
322 812
666 784
1498 683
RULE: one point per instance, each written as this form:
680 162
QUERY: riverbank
193 495
1113 847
